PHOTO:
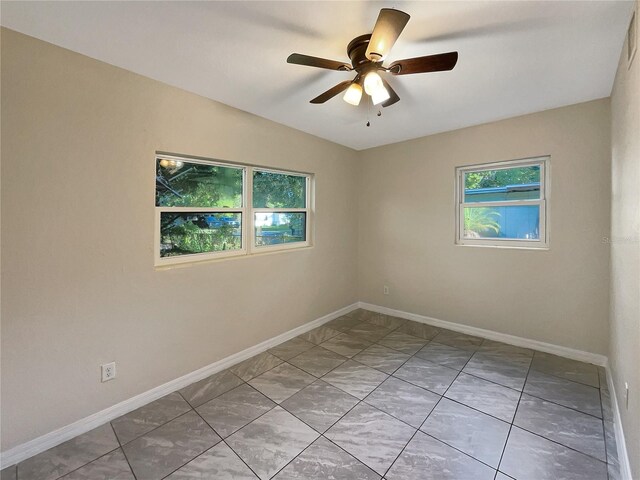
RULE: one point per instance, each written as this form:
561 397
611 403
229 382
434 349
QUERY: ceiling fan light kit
367 53
353 95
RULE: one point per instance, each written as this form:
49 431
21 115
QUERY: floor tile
9 473
427 375
372 436
325 461
163 450
507 373
270 442
355 378
573 429
502 476
403 342
488 397
70 455
566 368
343 323
233 410
531 457
505 350
291 348
362 314
320 405
426 458
319 335
369 332
318 361
382 358
609 434
403 400
211 387
387 321
146 418
421 330
445 355
458 340
564 392
219 463
474 433
281 382
112 466
255 366
346 345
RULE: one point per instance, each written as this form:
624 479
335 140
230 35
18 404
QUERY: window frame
306 211
542 243
247 212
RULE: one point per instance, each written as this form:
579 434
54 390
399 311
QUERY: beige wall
79 287
406 230
624 346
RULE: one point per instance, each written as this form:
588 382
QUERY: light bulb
353 94
380 95
372 83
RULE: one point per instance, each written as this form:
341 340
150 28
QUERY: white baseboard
566 352
623 456
52 439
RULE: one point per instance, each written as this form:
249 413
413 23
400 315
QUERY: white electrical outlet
108 371
626 395
385 290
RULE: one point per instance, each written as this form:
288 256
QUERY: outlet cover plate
108 371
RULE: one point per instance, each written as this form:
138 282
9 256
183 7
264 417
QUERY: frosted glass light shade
380 95
353 94
372 83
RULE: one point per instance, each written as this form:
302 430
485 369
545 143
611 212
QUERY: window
207 209
503 204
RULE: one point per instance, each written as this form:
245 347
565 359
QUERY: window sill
508 247
203 261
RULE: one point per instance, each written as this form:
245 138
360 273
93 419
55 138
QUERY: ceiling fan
367 54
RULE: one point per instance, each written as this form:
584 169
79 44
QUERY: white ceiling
515 57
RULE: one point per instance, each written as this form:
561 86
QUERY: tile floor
366 396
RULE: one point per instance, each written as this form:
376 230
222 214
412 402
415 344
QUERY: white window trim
249 247
545 189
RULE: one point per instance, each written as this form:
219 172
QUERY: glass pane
277 190
521 183
187 233
512 222
276 228
184 184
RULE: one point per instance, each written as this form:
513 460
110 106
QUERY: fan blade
332 92
393 96
430 63
300 59
388 28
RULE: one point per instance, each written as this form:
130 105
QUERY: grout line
223 440
430 413
123 452
84 464
363 401
504 448
441 396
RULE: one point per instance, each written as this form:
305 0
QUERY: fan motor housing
357 50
